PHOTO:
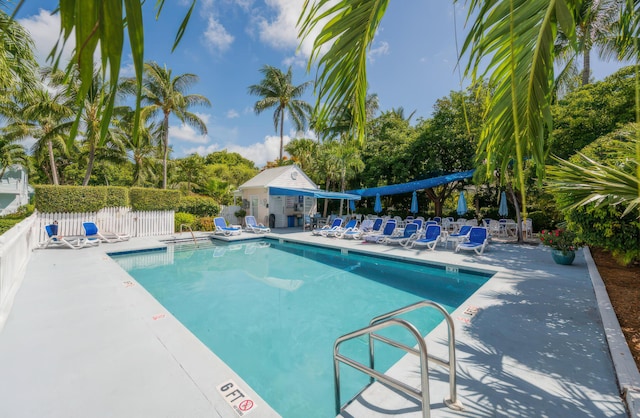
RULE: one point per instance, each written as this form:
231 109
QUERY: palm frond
347 29
593 182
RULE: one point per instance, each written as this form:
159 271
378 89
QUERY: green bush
603 227
154 199
7 224
184 218
117 196
205 224
69 198
198 205
541 220
22 213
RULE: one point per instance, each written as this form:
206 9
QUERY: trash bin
291 221
272 221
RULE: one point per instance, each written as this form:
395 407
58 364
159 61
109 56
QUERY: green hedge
91 199
198 205
153 199
70 198
7 224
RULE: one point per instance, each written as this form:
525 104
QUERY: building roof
285 176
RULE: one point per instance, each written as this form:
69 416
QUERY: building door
253 206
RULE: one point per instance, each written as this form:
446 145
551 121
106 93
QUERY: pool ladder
389 320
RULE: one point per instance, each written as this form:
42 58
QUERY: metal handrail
188 227
387 320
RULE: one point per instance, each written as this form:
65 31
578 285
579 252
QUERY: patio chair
430 240
389 227
478 240
223 229
91 231
461 236
337 223
410 233
255 227
339 233
74 242
376 228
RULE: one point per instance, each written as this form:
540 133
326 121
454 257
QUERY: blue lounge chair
359 231
337 223
410 233
223 229
389 227
460 236
376 228
255 227
91 231
477 240
74 242
339 232
430 240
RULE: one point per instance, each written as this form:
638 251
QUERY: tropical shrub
205 224
559 239
154 199
117 196
198 205
604 226
7 224
70 198
182 218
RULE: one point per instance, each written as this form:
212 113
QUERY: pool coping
630 393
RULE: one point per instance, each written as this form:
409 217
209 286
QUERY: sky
411 64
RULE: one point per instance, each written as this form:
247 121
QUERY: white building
14 189
281 196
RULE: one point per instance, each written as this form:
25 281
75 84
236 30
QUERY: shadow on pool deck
84 340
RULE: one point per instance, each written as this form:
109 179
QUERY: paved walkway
84 340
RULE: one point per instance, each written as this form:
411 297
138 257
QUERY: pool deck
83 339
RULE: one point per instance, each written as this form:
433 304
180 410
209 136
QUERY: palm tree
48 119
595 23
276 90
10 152
166 95
18 77
142 147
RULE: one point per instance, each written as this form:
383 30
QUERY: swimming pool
272 310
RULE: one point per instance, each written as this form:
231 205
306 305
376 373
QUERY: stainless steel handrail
387 320
188 227
422 395
452 402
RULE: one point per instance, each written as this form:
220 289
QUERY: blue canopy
352 205
462 204
414 203
289 191
413 185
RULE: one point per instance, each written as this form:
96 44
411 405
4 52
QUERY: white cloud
232 114
216 37
45 29
281 32
186 133
128 70
378 51
260 152
205 117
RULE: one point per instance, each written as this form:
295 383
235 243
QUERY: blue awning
413 185
288 191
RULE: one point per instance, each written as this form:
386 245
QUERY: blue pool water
272 311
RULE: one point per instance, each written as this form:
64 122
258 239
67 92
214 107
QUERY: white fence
121 220
228 213
15 250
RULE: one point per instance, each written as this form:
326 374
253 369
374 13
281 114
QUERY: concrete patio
85 340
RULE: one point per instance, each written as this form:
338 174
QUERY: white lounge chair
223 229
337 223
430 240
91 231
255 227
478 240
74 242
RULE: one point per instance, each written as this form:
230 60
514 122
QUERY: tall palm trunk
92 156
165 144
586 66
326 201
52 163
281 133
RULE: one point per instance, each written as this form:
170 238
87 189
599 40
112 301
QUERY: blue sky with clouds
411 63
